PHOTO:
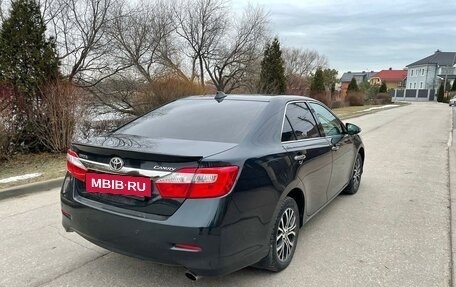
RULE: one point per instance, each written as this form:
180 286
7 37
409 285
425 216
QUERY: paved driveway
394 232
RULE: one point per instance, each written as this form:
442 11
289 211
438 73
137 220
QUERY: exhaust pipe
192 276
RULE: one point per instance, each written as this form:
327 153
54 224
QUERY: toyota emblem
116 163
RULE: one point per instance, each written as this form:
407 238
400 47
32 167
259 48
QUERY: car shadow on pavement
118 270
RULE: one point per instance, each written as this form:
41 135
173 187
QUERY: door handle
300 157
335 147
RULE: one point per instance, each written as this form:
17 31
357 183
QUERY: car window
203 120
287 131
330 124
301 121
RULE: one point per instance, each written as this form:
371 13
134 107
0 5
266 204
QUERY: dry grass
356 111
49 165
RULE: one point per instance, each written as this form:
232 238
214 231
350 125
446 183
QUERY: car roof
256 97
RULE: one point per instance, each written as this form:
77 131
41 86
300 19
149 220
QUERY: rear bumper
222 249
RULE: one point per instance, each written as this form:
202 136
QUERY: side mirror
352 129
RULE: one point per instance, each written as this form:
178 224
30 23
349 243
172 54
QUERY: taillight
75 166
198 182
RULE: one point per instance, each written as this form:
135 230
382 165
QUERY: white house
429 72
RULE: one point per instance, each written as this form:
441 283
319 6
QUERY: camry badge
116 163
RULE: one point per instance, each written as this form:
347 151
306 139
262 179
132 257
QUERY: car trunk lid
141 157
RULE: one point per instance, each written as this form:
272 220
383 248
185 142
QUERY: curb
452 190
30 188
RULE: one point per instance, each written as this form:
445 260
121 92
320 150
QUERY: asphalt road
394 232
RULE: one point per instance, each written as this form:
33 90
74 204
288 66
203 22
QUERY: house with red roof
394 79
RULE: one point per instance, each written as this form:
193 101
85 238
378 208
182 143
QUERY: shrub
60 111
162 91
5 140
337 104
355 99
323 97
90 128
383 88
371 94
171 88
383 99
6 122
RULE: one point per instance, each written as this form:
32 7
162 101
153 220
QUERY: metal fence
413 95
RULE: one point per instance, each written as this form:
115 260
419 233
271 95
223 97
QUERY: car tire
283 239
355 179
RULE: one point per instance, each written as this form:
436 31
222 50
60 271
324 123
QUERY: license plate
118 184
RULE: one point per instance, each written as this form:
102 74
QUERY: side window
330 124
287 131
301 121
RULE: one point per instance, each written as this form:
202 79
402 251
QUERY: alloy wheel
286 234
357 171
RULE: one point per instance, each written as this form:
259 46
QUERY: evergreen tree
364 86
383 88
448 86
318 83
272 76
330 79
440 93
353 86
453 88
28 62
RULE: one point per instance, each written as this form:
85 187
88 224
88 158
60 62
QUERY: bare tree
300 64
141 38
238 52
121 52
303 62
49 10
201 24
79 27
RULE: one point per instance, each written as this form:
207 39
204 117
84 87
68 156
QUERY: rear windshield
203 120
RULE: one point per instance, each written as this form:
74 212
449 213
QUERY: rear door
342 147
310 153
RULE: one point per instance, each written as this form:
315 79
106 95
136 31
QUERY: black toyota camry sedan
213 184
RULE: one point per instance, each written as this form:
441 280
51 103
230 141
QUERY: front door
342 148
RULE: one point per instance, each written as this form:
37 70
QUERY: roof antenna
219 96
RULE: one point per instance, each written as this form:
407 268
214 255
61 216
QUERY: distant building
394 79
429 72
347 77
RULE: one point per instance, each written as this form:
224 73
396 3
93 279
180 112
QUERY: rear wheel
355 180
284 237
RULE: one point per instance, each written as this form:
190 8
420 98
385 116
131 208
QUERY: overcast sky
364 35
